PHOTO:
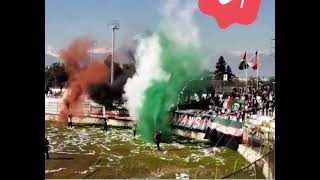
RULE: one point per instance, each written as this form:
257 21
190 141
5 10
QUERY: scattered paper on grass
54 170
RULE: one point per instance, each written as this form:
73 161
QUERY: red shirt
158 136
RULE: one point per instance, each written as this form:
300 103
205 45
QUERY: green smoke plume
183 64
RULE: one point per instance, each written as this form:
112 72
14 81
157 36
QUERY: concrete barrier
252 156
93 120
189 134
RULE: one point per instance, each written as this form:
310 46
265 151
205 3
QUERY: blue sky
68 19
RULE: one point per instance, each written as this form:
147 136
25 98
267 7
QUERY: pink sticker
228 12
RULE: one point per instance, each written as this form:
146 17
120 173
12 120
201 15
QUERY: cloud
102 50
179 24
51 51
250 52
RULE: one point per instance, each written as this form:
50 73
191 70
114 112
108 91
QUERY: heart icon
224 1
227 12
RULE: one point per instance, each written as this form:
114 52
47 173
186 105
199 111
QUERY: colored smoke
165 62
81 74
104 93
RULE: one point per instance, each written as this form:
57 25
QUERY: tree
220 69
231 76
55 74
252 80
271 80
207 77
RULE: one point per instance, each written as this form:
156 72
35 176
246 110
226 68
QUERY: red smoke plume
81 73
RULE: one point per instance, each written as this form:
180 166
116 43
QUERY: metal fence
227 87
257 169
220 86
261 168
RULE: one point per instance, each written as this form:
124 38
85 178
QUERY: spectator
243 114
267 107
70 120
157 137
46 148
134 130
105 124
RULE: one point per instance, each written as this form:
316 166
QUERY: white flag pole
247 63
246 76
246 70
257 76
257 69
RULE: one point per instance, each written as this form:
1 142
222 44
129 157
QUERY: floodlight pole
114 26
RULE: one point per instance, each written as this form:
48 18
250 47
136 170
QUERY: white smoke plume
178 25
178 22
147 69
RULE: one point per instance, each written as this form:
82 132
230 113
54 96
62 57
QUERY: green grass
117 154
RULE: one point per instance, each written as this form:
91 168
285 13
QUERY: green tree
55 74
220 69
231 76
208 77
271 80
252 80
223 68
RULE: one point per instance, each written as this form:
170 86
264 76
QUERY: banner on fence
96 111
224 129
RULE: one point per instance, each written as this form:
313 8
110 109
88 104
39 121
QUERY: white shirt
69 119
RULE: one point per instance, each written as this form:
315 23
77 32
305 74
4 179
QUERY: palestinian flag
255 62
225 132
244 64
232 104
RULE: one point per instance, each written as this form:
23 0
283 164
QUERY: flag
244 65
232 104
218 129
225 132
245 139
255 62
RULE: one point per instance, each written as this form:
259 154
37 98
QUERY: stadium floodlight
114 25
92 49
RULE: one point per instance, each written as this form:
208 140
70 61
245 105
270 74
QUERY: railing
54 106
257 167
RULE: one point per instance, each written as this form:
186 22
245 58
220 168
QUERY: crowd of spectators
260 101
